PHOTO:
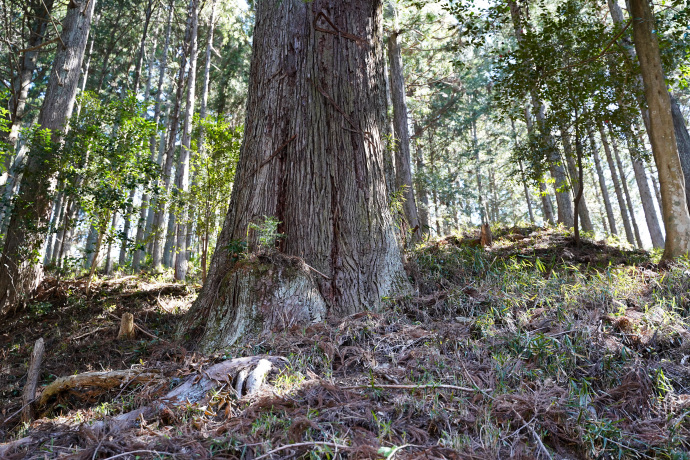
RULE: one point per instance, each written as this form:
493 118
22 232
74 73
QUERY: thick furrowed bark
312 157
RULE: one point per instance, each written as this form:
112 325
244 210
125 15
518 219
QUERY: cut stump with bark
126 327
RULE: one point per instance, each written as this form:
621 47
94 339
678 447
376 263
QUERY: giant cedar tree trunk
674 205
313 158
20 268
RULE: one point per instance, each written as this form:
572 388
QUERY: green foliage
106 155
5 150
266 232
213 165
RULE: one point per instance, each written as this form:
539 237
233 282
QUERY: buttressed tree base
312 160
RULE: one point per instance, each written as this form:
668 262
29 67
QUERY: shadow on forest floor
529 348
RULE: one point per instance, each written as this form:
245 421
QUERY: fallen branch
303 444
105 380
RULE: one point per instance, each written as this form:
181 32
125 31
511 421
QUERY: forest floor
532 348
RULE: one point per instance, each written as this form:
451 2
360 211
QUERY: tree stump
126 327
32 380
485 238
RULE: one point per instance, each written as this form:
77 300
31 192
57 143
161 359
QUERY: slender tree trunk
58 209
683 143
602 215
681 132
403 167
420 183
127 219
573 168
565 208
109 252
523 179
626 191
203 106
483 212
562 192
40 14
90 247
646 197
602 184
674 203
148 228
580 178
528 197
142 46
312 157
617 187
20 272
182 170
547 206
160 238
97 249
150 231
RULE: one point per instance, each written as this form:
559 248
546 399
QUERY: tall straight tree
20 267
182 170
602 184
173 128
312 158
162 67
674 206
681 131
645 194
625 216
565 207
401 130
39 13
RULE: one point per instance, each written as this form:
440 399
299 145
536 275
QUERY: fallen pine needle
139 452
414 387
302 444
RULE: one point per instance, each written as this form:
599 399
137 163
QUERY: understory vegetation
531 348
